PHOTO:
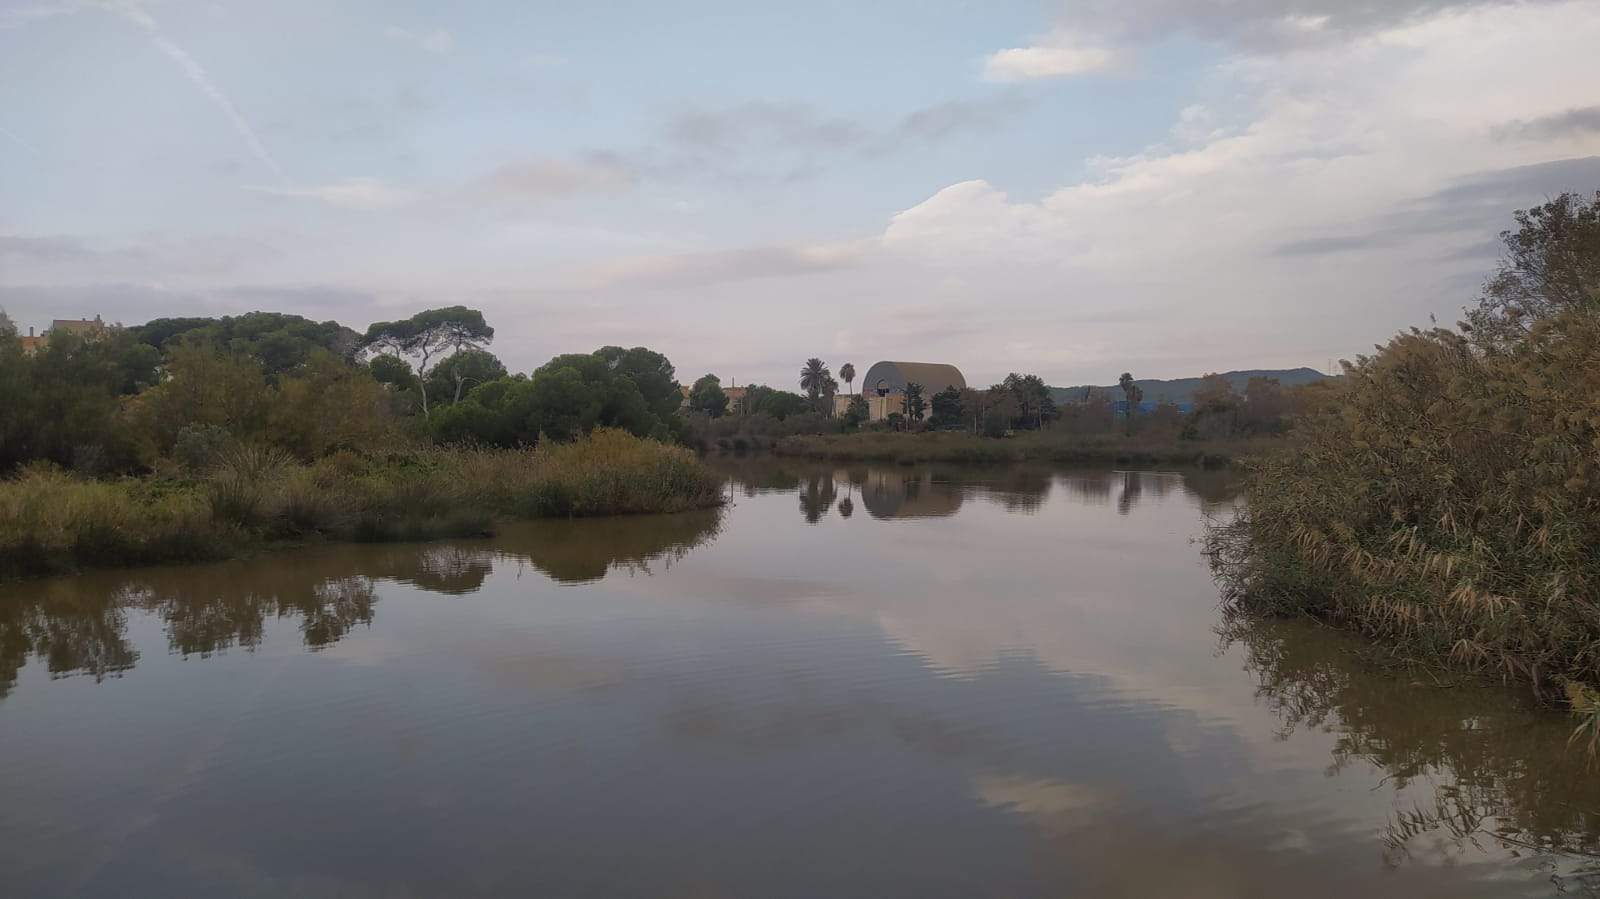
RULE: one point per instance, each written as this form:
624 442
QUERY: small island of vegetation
188 439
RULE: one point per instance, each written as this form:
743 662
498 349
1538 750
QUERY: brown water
851 682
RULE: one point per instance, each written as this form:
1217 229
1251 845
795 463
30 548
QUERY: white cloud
350 193
1363 142
1061 55
438 41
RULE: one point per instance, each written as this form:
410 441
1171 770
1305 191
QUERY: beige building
84 327
736 398
884 386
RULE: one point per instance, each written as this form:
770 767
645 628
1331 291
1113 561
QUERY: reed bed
1447 504
252 497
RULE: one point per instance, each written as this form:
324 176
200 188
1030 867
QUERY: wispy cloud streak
196 74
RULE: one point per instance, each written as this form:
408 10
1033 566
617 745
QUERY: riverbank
1042 446
253 499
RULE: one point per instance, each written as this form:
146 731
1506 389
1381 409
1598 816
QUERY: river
851 681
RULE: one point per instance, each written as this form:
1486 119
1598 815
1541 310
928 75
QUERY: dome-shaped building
884 385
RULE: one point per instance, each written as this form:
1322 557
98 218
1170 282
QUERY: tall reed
53 521
1447 503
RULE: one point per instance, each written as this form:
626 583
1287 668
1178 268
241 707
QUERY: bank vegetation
1446 498
200 438
250 497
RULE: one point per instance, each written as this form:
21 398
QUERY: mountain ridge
1181 390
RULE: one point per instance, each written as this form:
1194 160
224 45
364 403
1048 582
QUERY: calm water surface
853 681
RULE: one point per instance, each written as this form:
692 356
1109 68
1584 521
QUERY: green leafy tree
847 371
449 379
621 405
204 385
651 372
393 371
1267 406
1550 265
1030 396
707 396
66 402
1216 408
326 405
429 336
780 404
857 413
916 404
946 406
278 342
565 398
995 421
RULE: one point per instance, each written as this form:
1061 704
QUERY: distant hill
1181 390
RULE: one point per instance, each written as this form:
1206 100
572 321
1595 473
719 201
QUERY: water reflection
1490 770
79 625
938 491
996 681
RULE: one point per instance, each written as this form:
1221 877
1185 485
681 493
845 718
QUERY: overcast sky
1073 188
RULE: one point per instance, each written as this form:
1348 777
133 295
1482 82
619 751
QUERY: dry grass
51 521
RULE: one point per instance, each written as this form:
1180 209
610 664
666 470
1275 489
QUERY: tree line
122 400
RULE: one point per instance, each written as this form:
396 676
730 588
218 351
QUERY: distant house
32 344
884 386
88 328
83 327
736 398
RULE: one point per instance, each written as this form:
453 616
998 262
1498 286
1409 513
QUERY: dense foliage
176 391
190 438
277 341
570 395
1446 498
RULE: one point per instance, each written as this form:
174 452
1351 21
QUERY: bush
1446 498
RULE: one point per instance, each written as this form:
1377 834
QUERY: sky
1073 189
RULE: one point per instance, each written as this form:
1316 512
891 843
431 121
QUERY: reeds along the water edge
53 521
1446 503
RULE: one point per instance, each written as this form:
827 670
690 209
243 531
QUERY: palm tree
814 378
848 372
1134 394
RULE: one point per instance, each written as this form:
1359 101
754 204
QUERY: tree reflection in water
817 493
1500 769
936 491
78 625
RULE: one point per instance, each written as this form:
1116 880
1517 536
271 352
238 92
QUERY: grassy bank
54 522
1040 446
